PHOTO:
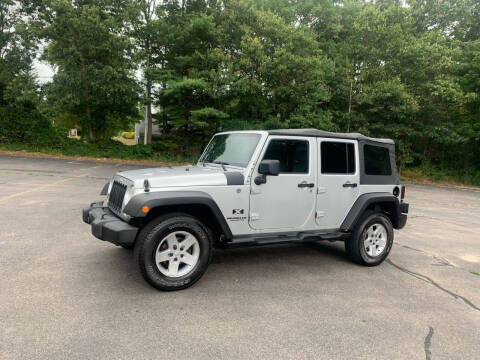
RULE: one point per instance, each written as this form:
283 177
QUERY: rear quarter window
377 160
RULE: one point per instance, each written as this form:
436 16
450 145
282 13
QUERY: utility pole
350 99
145 131
350 105
149 14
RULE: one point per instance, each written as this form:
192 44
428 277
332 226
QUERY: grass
431 174
475 272
104 150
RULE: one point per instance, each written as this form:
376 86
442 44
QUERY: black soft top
327 134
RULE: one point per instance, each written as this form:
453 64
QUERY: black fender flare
364 201
105 189
168 198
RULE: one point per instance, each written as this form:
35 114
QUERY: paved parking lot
66 295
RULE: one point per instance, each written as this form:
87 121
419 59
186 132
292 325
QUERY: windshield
231 149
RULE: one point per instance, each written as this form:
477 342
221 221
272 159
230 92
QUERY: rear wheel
173 251
371 240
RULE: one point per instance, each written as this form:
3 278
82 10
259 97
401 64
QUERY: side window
292 154
337 157
377 160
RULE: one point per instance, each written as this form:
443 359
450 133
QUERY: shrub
128 134
185 145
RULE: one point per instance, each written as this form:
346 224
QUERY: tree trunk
467 155
425 151
86 96
92 134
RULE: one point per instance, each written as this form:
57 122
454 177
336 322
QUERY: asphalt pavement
66 295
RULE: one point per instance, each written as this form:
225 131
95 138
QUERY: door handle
349 184
306 185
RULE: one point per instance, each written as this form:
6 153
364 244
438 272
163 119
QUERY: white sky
43 71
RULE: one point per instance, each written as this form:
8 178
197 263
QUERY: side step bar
286 237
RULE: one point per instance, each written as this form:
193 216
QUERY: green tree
146 32
20 119
95 78
406 70
469 114
236 65
189 72
278 72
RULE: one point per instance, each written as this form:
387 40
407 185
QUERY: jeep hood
172 176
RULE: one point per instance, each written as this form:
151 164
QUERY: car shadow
120 267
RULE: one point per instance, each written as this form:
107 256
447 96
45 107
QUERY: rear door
286 201
338 181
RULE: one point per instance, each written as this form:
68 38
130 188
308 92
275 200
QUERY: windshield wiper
223 163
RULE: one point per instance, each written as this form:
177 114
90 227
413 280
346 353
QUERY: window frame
342 141
290 138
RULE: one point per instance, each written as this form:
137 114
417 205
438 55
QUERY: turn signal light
145 209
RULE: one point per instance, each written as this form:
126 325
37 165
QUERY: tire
170 267
365 245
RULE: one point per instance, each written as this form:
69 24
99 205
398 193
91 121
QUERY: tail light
403 192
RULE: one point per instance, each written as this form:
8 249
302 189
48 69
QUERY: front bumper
107 226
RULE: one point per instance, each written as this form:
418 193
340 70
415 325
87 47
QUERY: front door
338 181
286 201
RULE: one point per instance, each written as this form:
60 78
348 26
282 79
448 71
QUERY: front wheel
371 240
173 251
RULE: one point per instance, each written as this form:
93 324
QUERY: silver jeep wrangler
255 188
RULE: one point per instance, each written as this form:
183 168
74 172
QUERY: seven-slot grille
115 200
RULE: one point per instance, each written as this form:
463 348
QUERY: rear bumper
402 219
107 226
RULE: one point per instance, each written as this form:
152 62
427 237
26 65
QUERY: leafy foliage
94 78
407 70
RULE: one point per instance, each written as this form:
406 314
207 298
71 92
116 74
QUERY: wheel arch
194 203
380 202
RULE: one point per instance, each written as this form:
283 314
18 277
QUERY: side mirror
267 167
